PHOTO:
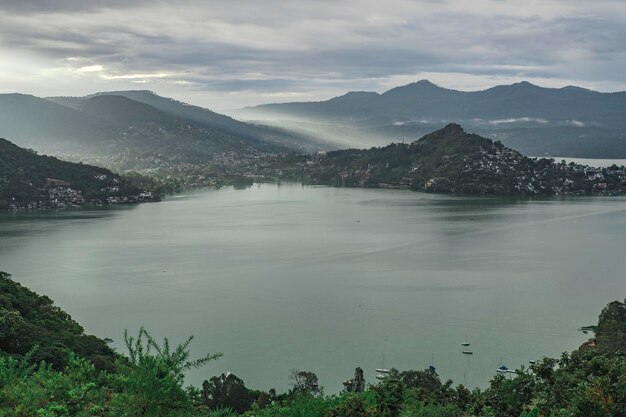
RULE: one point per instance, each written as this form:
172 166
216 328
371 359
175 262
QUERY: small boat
532 362
466 343
468 352
503 369
381 373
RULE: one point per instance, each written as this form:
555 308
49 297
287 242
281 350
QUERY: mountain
38 123
262 136
533 119
453 161
141 131
123 111
424 100
35 181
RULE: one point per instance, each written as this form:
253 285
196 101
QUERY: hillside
140 131
262 137
123 111
28 320
567 121
37 123
35 181
453 161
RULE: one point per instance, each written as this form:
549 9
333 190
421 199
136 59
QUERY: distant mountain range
136 130
569 121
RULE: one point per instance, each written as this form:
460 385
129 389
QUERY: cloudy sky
229 53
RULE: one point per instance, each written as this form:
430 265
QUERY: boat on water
466 343
381 373
503 369
468 352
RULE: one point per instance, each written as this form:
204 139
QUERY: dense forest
49 367
29 179
453 161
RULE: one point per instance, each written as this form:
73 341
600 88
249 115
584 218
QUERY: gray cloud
233 53
47 6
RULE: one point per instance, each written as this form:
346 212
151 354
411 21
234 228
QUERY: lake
597 163
325 279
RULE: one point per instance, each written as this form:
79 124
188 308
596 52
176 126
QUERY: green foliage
356 384
226 391
447 160
304 383
611 331
510 397
28 320
150 382
389 396
222 412
27 390
23 176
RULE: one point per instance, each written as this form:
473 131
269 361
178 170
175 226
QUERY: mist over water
327 279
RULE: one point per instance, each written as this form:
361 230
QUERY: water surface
327 279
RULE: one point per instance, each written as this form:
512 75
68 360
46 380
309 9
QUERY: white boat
382 372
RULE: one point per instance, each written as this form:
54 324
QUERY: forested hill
35 181
454 161
31 323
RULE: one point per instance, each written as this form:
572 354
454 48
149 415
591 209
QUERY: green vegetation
69 379
452 161
31 180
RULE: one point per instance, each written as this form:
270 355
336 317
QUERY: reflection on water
327 279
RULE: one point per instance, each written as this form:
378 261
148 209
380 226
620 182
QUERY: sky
225 54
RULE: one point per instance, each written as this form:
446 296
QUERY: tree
226 391
356 384
389 396
612 326
304 382
150 380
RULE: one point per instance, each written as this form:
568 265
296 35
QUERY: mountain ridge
451 160
534 119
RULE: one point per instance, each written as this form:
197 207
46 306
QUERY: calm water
326 279
598 163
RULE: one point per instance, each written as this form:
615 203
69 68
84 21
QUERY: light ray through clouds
226 54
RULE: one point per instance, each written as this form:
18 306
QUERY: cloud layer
225 54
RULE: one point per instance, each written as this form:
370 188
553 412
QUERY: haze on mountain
569 121
129 124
